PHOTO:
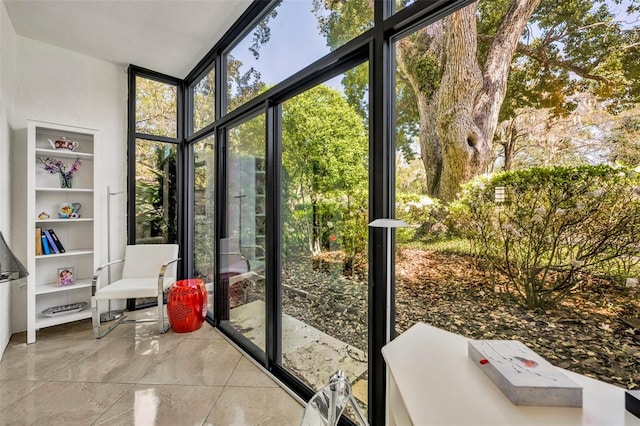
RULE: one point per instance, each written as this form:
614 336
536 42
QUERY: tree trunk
465 149
498 63
511 137
414 53
508 155
459 102
315 240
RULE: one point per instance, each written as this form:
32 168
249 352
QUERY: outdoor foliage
325 178
156 107
461 76
204 204
204 101
625 137
556 223
427 215
156 207
244 84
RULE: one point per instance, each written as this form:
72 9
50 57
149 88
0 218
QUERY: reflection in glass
156 206
328 404
324 237
156 108
204 101
203 214
242 248
266 55
401 4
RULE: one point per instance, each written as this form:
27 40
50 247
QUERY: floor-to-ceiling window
446 130
204 214
515 170
154 170
321 285
202 175
155 146
324 215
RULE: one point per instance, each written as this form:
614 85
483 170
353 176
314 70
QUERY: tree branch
542 57
498 62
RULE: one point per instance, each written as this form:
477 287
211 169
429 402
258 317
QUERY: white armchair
148 270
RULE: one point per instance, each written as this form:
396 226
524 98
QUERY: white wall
60 86
7 102
7 99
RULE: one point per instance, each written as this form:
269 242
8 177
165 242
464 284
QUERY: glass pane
266 56
401 4
523 209
204 101
203 214
242 250
156 206
324 236
156 108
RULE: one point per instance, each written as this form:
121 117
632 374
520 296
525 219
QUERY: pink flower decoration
54 166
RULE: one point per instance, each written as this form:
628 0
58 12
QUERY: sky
295 21
280 58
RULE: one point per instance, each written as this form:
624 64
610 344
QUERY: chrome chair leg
326 406
95 316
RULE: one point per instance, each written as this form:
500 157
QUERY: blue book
52 245
45 244
56 241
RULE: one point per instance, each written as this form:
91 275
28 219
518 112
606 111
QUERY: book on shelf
52 244
38 241
45 244
56 241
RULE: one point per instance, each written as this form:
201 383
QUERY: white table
432 381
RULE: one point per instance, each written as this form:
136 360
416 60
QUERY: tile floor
136 376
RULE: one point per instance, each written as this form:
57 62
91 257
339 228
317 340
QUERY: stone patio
308 353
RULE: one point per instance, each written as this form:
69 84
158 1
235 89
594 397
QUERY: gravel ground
589 333
327 300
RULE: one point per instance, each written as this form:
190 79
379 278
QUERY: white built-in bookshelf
79 236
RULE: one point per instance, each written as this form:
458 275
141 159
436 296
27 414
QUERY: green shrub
425 215
339 224
555 223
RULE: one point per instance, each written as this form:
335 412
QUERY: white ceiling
168 36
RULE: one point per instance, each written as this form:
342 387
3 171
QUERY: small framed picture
67 275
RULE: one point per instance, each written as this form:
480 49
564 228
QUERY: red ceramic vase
187 305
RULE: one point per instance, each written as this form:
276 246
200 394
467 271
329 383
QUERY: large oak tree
477 66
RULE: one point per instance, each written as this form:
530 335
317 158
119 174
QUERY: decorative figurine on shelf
53 165
69 210
43 216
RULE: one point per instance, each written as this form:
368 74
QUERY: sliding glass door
242 243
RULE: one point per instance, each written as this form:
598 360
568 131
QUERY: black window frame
181 170
376 46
